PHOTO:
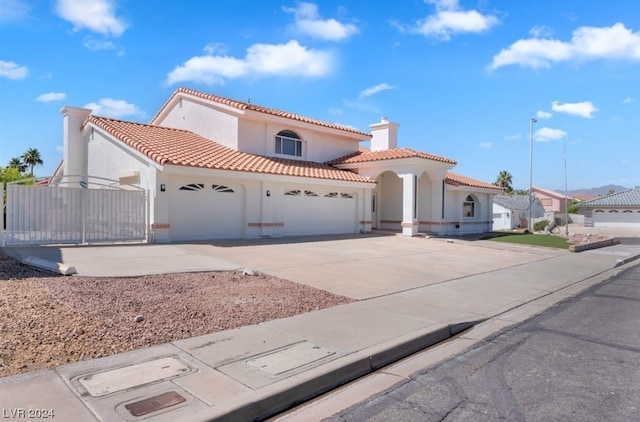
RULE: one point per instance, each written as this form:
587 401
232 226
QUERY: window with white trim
288 143
469 207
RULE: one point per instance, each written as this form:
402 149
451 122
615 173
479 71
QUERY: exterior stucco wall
389 201
258 137
425 199
204 120
116 161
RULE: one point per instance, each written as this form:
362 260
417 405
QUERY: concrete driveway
357 266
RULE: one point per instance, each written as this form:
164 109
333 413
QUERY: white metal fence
75 210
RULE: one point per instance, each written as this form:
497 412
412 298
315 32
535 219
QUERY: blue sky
462 78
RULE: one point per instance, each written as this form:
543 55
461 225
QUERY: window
221 188
627 211
288 143
193 186
469 207
295 192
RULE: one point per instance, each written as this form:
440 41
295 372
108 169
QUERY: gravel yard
48 320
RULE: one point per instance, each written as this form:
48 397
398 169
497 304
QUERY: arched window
469 207
288 143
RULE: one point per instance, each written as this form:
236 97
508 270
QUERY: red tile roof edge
458 179
240 105
388 154
278 166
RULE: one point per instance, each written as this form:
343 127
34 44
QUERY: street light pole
531 174
566 192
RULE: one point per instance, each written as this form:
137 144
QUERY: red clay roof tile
389 154
254 107
458 179
184 148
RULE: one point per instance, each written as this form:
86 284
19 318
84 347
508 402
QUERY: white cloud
108 107
13 10
628 100
94 15
449 19
50 97
11 70
543 114
215 48
95 45
587 43
540 31
584 109
546 134
308 22
486 145
513 137
290 59
374 90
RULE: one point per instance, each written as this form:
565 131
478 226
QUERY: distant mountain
602 190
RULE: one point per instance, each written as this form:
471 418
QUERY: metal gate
72 209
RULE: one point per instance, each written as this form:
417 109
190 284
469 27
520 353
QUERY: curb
286 394
44 264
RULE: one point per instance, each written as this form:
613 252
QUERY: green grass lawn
547 240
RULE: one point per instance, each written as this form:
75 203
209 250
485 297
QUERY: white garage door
202 210
308 211
616 218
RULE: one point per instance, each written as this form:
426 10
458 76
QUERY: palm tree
32 158
16 163
504 180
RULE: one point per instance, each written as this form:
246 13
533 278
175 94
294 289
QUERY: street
578 361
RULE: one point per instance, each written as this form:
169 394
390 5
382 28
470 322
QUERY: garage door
308 211
202 210
616 218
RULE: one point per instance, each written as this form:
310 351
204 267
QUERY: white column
409 218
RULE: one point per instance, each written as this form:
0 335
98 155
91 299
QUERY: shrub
540 225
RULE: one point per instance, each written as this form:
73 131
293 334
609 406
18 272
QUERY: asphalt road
578 361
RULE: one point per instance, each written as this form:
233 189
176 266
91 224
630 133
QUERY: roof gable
548 192
247 106
184 148
388 154
458 179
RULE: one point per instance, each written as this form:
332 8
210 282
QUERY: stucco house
552 201
512 211
218 168
620 209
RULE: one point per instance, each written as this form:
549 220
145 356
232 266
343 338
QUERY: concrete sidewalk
255 371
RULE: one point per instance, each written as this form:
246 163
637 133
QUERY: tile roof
240 105
627 198
184 148
458 179
388 154
513 202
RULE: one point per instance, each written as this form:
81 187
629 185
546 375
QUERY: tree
504 180
16 163
32 158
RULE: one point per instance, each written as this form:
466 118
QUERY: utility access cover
114 380
290 358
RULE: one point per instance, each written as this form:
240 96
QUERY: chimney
385 135
75 156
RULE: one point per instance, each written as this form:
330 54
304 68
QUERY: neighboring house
620 209
550 200
218 168
512 211
585 197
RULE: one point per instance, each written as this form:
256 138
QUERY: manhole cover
152 404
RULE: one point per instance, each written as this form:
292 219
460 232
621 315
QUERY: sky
482 82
